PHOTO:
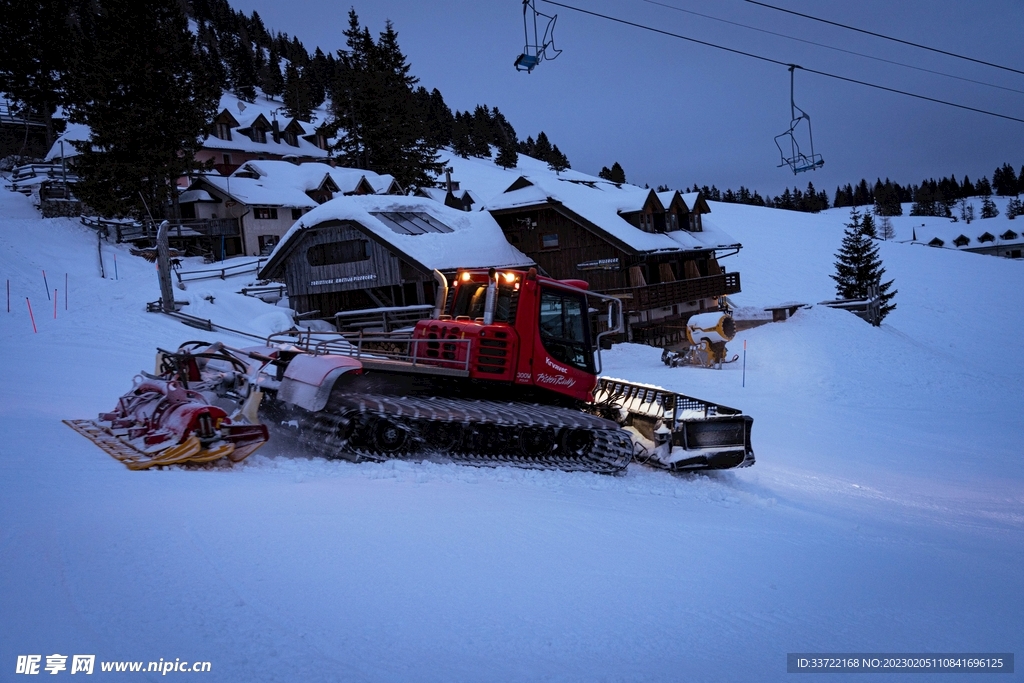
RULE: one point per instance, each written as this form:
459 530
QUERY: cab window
563 329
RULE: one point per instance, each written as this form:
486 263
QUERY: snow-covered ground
885 512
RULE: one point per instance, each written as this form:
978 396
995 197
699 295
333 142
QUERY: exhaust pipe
442 294
492 296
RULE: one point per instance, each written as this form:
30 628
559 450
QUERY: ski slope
885 512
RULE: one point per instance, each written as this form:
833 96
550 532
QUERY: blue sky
675 112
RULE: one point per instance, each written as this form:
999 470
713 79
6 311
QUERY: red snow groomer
503 373
200 407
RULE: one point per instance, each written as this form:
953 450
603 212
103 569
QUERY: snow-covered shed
371 251
267 197
623 241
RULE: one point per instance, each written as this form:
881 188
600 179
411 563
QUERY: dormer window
936 242
695 224
321 141
290 138
1008 235
987 237
259 134
222 131
962 241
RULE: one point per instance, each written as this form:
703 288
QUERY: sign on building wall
600 264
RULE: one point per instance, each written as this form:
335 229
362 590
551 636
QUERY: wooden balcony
679 292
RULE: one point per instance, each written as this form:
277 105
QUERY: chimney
277 130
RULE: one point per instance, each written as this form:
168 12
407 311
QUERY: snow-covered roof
600 203
256 192
475 239
987 232
189 196
282 183
73 132
245 113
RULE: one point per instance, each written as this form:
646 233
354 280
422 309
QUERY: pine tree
858 266
885 229
33 59
143 90
867 226
1004 181
557 161
988 207
542 148
271 79
615 174
507 157
381 127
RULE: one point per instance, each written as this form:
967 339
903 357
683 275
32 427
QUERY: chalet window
695 223
1008 235
332 253
290 138
296 214
549 241
962 241
321 141
675 221
259 134
265 213
267 243
222 131
987 237
936 242
227 159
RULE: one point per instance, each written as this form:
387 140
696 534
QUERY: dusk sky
674 112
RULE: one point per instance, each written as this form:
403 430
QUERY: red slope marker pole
30 316
46 284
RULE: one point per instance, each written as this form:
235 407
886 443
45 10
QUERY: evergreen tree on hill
1004 181
541 148
967 188
142 89
615 174
858 266
508 156
381 127
557 161
33 59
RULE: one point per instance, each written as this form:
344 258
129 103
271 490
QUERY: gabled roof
474 239
695 202
254 191
597 205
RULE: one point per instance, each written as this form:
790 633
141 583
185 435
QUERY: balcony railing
666 294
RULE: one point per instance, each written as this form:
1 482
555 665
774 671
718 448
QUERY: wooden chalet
265 198
654 253
361 252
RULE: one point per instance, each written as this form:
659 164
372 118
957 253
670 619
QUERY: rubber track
490 430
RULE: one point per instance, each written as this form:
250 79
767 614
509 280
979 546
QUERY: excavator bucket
682 432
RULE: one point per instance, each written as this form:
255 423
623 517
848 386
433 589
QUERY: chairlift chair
797 160
542 45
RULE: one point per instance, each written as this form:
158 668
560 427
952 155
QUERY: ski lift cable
880 35
785 64
832 47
